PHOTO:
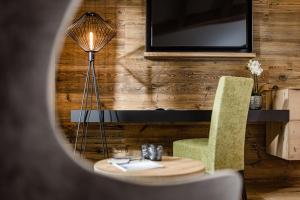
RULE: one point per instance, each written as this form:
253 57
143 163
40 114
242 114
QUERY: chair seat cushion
193 148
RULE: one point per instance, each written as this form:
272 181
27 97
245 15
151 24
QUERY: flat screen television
199 25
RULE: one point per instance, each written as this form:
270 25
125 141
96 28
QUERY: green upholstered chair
224 149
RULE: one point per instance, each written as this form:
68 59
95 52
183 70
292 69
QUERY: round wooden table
175 170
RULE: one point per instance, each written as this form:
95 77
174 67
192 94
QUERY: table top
173 167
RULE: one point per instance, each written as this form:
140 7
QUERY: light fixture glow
91 41
91 32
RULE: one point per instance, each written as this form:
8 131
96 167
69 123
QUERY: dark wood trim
169 116
198 55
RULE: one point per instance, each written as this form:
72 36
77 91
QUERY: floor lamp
91 33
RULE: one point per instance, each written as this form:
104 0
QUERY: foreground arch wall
33 165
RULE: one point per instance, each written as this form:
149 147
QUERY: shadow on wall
175 84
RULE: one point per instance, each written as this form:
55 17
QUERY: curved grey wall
32 163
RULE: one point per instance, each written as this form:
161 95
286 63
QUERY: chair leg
244 193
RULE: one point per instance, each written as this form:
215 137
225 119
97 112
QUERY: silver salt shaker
152 152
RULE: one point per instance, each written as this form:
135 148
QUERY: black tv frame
248 48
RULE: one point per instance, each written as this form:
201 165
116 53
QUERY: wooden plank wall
128 81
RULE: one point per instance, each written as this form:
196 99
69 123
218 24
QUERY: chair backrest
228 123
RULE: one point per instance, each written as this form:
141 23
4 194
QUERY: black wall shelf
170 116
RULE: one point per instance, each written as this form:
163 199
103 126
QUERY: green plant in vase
256 98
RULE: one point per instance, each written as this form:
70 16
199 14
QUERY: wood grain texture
283 140
174 170
275 191
128 81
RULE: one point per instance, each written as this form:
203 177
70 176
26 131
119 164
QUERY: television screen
191 25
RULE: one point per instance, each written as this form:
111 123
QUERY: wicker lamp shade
91 32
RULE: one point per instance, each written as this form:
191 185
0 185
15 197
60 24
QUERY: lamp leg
85 128
90 108
86 108
100 113
81 107
86 117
